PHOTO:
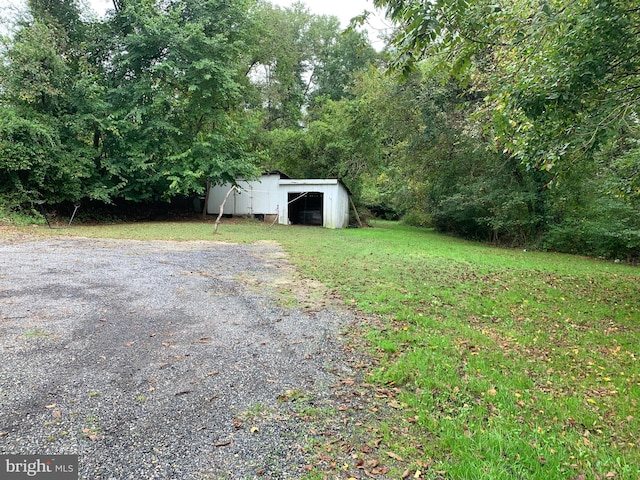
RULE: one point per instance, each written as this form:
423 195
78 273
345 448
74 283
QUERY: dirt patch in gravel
166 360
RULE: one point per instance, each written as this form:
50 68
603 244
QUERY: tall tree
174 83
300 57
143 105
46 120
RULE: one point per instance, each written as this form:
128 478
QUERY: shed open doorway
306 208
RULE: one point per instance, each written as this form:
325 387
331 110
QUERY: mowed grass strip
507 364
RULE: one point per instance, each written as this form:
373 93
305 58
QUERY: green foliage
595 218
174 87
489 197
144 105
561 78
298 58
38 161
417 219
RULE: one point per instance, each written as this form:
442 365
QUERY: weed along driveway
161 360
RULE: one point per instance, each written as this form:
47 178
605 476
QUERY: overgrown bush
609 227
417 219
490 198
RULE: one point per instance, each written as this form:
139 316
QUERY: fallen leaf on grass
211 373
222 444
57 414
396 456
53 405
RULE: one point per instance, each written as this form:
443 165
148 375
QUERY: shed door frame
306 208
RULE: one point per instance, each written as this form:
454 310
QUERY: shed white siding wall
256 197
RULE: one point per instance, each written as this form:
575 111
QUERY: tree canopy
144 105
561 78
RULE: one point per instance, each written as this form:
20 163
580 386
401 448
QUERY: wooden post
277 216
215 228
355 211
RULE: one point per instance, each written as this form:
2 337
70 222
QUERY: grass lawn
500 364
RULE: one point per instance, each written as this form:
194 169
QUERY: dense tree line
509 122
556 87
158 98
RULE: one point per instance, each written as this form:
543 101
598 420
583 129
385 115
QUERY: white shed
294 202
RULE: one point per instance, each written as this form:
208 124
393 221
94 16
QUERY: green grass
36 333
506 364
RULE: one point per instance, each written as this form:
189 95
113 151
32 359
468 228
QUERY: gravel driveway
160 359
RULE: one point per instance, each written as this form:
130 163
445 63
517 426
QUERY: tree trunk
215 228
206 199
